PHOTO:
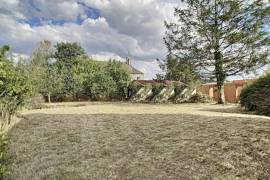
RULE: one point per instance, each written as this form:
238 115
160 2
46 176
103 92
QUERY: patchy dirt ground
140 141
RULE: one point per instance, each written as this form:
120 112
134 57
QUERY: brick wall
232 90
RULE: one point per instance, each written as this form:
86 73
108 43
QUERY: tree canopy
65 72
220 38
14 86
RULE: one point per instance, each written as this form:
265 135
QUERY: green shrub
15 88
4 157
157 88
134 88
256 96
100 86
179 88
144 95
121 78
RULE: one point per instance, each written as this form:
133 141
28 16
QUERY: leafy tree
39 64
81 71
68 53
100 86
44 74
5 67
220 38
52 83
178 69
120 76
14 87
68 56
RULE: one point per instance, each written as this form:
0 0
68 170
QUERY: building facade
134 73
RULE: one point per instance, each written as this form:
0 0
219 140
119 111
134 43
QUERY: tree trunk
220 76
221 94
49 97
219 71
9 119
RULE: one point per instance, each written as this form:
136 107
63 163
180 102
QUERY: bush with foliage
65 73
68 56
143 94
256 96
121 78
163 93
179 88
157 87
14 88
100 86
4 157
134 87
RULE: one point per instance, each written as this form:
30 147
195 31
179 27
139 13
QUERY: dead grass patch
139 146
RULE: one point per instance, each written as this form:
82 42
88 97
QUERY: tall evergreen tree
221 38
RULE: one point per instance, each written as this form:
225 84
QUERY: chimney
128 61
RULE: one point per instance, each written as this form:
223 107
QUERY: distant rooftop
126 65
131 69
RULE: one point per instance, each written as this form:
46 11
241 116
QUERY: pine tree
221 38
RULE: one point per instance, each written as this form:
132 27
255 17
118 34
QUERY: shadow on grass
46 146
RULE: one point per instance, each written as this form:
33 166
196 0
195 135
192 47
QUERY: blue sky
105 28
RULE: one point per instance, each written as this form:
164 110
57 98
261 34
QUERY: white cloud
19 57
125 28
99 4
105 56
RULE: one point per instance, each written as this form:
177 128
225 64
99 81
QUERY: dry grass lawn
136 141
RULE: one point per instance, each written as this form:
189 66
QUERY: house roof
131 69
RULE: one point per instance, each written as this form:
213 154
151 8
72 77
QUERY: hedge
256 96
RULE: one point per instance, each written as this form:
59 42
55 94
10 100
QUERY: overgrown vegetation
69 74
4 157
15 86
60 73
256 96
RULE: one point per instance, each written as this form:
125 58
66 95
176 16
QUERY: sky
105 28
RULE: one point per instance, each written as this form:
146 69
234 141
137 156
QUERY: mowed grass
139 146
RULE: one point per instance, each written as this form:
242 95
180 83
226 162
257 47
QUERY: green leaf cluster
15 87
256 96
73 76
